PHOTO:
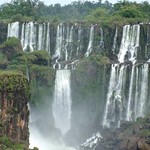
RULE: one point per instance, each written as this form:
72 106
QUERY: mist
38 140
43 134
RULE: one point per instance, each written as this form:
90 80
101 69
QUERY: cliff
14 113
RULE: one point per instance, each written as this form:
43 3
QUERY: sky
64 2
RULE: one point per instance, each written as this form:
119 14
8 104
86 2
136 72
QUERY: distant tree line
77 11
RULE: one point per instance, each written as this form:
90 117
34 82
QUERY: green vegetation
40 57
7 144
145 132
11 42
23 76
34 65
41 83
93 68
3 61
14 89
97 59
11 48
13 81
77 11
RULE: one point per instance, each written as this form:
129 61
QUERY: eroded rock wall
14 96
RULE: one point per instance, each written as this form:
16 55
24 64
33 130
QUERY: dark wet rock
130 136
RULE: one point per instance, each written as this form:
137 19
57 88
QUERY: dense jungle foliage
124 11
35 65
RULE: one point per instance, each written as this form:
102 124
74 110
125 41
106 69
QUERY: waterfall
127 93
134 43
59 40
68 45
37 139
40 36
119 95
111 88
79 41
144 90
115 40
71 42
33 36
102 39
130 98
130 104
13 29
48 38
91 143
136 93
29 42
115 96
22 38
62 101
124 43
129 43
90 45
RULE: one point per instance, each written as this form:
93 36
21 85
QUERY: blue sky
63 2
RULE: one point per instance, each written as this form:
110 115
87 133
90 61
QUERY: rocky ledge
130 136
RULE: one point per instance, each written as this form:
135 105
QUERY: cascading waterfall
62 101
48 38
114 103
115 41
144 90
40 36
13 29
29 40
59 41
124 43
62 115
33 36
119 95
134 42
79 41
119 103
130 98
129 43
136 93
127 94
71 41
64 42
67 43
90 45
109 94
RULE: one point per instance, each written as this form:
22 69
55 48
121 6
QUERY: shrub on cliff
11 48
89 67
7 144
41 83
40 57
14 81
3 61
97 59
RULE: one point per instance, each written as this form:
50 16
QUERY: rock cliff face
3 32
14 113
131 136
